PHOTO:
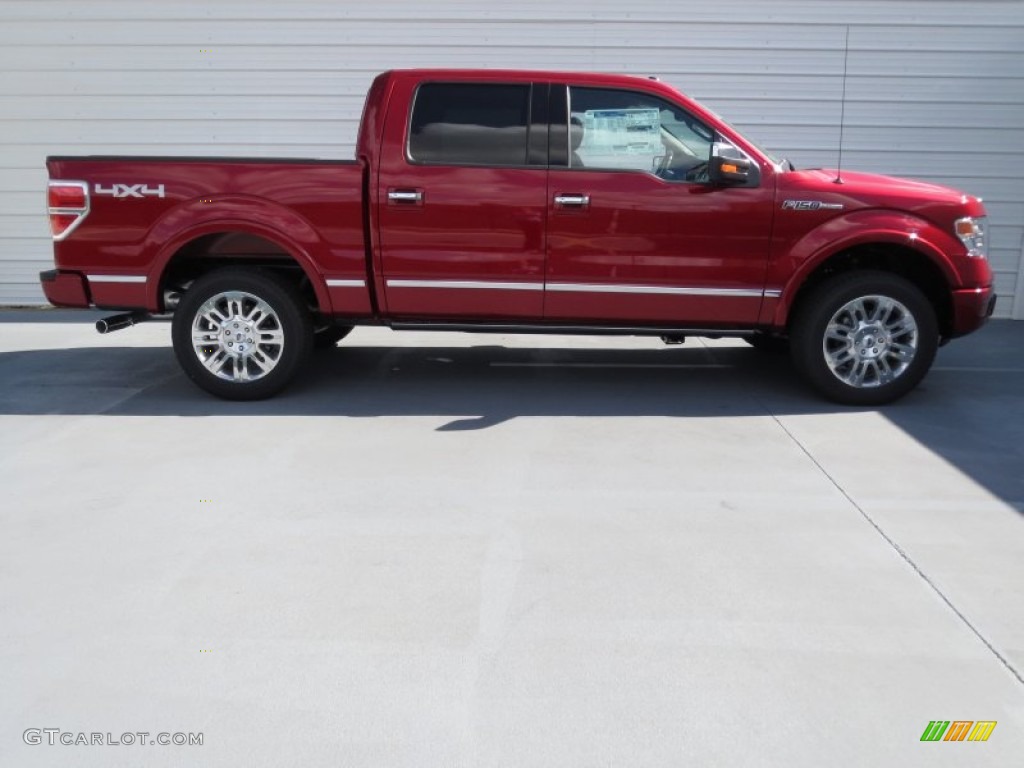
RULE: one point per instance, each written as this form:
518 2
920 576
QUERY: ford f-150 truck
521 201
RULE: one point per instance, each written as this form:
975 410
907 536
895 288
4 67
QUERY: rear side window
470 124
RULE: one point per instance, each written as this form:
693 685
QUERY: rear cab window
470 124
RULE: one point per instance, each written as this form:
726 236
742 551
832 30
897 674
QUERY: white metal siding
935 88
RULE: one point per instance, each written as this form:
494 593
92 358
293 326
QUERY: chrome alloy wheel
237 336
870 341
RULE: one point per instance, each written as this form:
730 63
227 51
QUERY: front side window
470 124
614 129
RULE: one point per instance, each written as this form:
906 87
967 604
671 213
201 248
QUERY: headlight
972 234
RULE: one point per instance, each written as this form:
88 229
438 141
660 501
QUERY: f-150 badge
130 190
810 205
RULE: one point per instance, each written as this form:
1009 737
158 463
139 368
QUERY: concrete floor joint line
899 550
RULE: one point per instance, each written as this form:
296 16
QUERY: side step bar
671 334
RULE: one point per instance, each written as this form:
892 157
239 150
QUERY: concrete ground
456 550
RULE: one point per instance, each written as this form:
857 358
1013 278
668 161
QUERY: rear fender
234 213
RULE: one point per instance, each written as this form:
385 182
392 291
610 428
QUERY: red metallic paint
876 210
312 211
226 215
120 295
477 224
639 230
350 302
971 308
499 224
473 224
65 289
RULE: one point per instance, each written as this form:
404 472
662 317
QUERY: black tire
328 337
272 314
765 342
891 348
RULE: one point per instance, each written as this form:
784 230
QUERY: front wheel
865 338
241 334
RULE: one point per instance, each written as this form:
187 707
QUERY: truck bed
142 210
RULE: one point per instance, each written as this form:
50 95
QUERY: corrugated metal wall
935 88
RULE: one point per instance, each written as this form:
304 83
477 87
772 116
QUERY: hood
869 190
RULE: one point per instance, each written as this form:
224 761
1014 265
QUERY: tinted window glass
628 130
470 124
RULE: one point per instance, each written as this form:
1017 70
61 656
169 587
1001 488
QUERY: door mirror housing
730 170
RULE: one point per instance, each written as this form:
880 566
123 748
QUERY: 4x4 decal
130 190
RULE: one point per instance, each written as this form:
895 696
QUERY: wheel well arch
908 263
213 250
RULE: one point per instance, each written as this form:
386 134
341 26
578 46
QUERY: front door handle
572 201
405 196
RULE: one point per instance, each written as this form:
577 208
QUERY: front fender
800 259
234 213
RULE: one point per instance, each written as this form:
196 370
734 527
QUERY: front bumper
972 307
65 289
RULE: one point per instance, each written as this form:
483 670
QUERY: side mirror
729 170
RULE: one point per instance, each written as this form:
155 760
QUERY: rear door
461 200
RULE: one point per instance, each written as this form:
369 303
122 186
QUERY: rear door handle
405 196
572 201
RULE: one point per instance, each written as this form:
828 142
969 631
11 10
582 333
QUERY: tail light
68 205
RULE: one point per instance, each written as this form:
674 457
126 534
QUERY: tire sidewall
810 324
295 324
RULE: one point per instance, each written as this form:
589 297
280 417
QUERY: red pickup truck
520 201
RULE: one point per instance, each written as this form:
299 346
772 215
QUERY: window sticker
608 133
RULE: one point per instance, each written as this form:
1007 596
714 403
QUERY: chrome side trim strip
773 294
471 284
654 289
116 278
346 283
580 288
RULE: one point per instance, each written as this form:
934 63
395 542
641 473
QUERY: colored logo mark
958 730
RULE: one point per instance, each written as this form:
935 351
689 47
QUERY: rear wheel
865 338
241 334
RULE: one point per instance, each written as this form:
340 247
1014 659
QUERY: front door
636 233
461 210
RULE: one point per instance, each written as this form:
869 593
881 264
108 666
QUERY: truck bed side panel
143 210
